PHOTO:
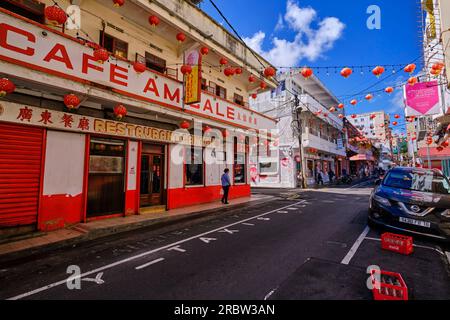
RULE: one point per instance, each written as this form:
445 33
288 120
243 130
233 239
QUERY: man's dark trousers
226 189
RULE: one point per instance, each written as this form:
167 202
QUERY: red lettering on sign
87 64
114 74
230 113
63 57
5 28
151 86
218 110
172 97
208 106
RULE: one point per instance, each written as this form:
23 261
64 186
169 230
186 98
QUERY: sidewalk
39 242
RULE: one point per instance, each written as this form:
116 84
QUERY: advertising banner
193 80
422 99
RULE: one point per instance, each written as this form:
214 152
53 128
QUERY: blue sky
331 33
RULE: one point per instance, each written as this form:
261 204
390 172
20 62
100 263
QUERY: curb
150 225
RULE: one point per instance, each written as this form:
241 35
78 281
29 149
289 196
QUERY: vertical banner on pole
193 80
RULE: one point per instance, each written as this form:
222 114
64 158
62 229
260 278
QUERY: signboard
193 80
422 99
28 115
24 44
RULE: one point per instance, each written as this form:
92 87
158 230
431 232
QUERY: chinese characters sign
192 81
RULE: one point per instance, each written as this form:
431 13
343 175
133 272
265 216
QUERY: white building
322 136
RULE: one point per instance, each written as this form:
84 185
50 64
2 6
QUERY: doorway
152 176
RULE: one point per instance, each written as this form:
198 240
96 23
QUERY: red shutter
20 170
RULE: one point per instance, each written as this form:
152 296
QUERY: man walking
226 183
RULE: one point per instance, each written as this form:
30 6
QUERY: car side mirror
377 182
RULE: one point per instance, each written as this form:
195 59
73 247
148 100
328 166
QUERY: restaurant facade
61 165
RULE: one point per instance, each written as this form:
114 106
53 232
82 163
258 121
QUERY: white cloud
310 41
280 23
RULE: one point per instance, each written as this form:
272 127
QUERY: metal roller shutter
20 170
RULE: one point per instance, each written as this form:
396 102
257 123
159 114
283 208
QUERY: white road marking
248 224
282 211
229 231
264 219
269 294
144 254
355 246
149 263
98 279
207 240
176 248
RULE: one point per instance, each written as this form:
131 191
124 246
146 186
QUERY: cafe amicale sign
24 43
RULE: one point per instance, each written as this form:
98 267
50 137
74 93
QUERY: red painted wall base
58 211
184 197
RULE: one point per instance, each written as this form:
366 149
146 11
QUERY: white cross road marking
149 263
355 246
229 231
176 248
144 254
97 279
248 224
207 240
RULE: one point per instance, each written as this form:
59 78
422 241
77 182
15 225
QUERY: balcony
312 141
314 106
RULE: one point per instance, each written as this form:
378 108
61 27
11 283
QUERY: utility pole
297 110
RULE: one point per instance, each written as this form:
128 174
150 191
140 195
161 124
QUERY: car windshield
418 181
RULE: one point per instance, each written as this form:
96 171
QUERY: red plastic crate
397 243
388 286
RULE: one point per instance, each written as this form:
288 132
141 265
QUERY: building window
221 92
239 161
30 9
194 166
204 85
238 99
155 63
114 45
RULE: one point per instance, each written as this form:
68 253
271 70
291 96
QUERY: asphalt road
256 251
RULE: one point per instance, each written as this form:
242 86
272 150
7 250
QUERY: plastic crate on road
388 286
397 243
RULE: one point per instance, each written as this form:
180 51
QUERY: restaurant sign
68 121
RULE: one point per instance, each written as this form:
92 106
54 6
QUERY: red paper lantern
373 116
186 69
306 72
223 61
263 85
181 37
341 106
369 97
101 55
204 51
238 71
325 115
435 72
438 66
440 149
445 144
353 102
341 116
71 101
229 71
118 3
139 67
412 81
206 129
410 68
254 96
6 87
55 15
395 123
269 72
185 125
154 21
378 71
120 111
332 109
397 116
354 116
346 72
389 90
251 79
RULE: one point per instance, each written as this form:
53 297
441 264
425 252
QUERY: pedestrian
319 178
226 183
331 175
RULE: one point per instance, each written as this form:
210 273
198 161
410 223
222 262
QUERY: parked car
412 200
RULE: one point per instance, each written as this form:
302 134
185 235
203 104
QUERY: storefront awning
362 157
